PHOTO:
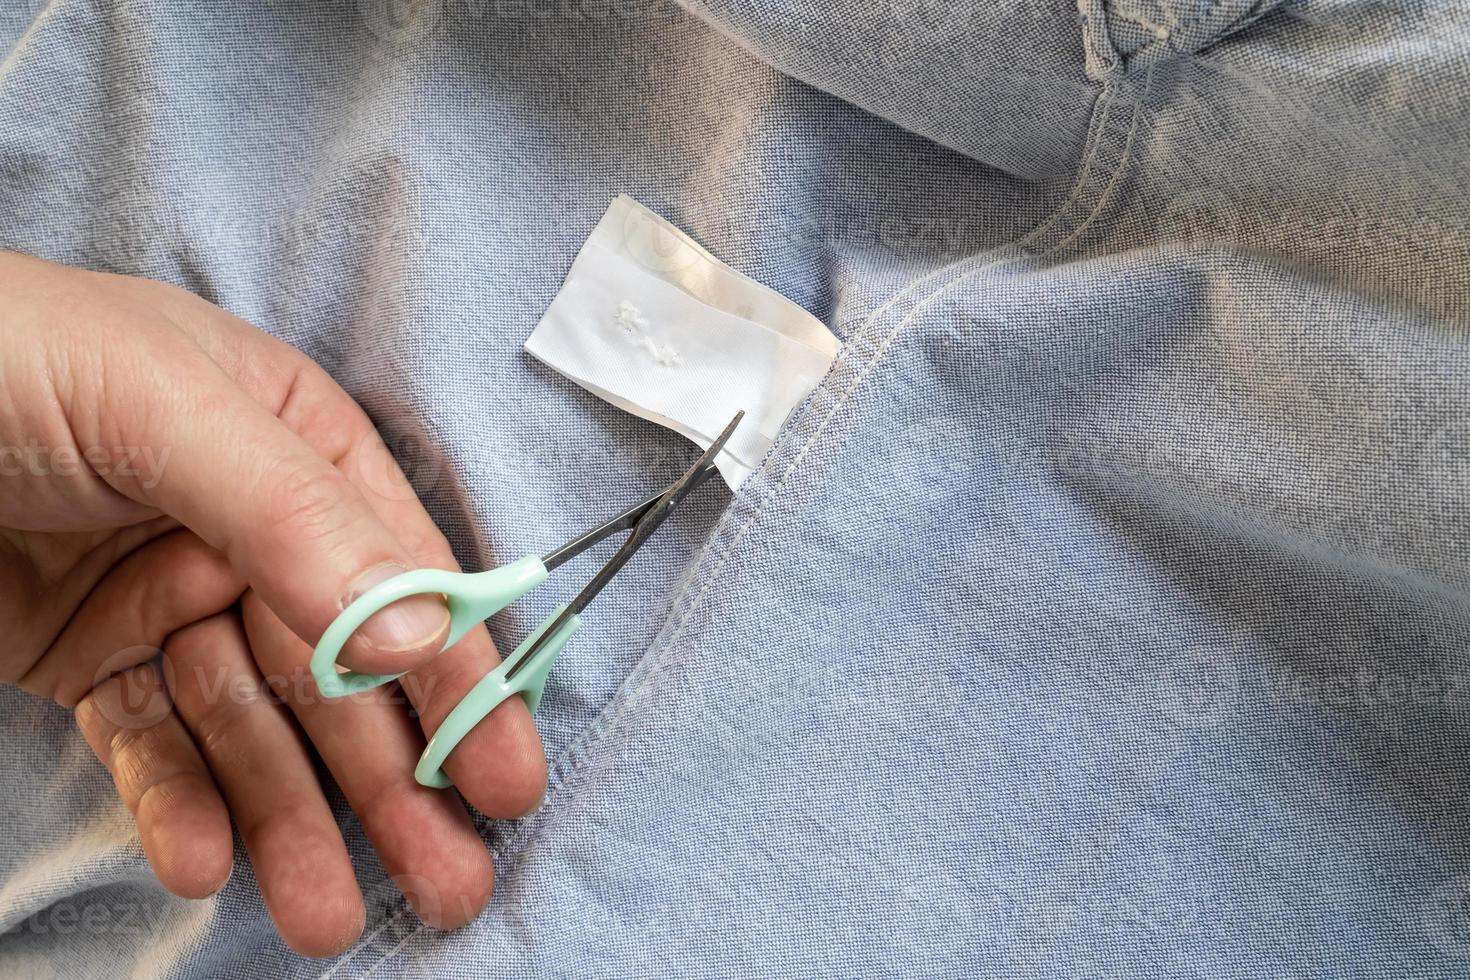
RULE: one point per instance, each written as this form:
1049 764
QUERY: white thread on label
651 322
635 325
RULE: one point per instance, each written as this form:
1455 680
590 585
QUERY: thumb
291 523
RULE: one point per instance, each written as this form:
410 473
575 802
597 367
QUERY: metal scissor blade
651 520
683 486
622 522
645 519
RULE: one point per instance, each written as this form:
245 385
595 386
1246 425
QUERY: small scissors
473 598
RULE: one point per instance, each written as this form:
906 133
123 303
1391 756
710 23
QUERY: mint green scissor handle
472 599
509 679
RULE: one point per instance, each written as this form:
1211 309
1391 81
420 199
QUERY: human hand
172 478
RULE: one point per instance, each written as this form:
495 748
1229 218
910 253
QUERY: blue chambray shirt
1104 613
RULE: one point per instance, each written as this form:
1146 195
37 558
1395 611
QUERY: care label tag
651 322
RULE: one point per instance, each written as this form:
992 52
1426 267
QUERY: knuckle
423 544
135 755
310 501
217 730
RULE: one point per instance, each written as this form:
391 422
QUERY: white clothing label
654 324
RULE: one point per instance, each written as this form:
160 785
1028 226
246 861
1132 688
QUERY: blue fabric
1104 613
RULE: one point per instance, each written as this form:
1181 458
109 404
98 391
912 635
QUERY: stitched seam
648 674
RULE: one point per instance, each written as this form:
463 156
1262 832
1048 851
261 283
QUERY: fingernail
408 624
